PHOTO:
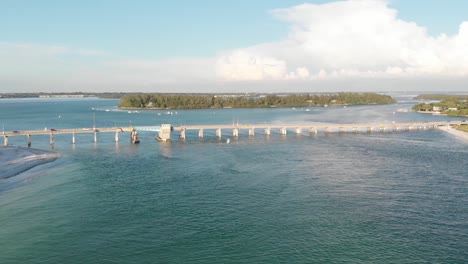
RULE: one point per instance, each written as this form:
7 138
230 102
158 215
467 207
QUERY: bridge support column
267 131
369 129
134 137
116 138
354 130
235 132
218 133
182 134
29 141
328 130
5 140
283 131
313 130
52 140
252 131
298 130
200 133
165 133
95 137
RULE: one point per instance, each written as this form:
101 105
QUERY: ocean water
339 198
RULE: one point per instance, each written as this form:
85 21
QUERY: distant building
436 108
453 109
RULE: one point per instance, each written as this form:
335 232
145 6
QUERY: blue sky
148 32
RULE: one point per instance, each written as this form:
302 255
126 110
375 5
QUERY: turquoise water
341 198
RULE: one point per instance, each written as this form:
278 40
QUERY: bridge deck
80 130
234 126
318 125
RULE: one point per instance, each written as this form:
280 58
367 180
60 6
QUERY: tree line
450 107
186 101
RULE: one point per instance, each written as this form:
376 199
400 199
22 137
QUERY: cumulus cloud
332 42
354 38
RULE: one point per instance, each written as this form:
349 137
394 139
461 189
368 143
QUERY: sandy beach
457 133
15 160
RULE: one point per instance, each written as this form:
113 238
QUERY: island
204 101
450 105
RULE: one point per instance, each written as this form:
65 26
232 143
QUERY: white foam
15 160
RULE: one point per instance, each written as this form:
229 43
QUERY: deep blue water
339 198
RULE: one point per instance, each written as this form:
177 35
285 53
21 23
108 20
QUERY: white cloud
354 38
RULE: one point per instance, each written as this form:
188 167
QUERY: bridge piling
5 140
218 133
298 130
165 133
235 132
313 130
182 134
252 131
116 138
73 138
29 140
283 131
52 140
268 131
200 133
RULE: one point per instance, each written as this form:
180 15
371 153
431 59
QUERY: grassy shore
462 128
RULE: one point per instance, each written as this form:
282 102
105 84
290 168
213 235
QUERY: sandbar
457 133
15 160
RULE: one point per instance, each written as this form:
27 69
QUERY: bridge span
312 128
166 130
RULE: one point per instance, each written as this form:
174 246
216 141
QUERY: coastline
463 136
15 160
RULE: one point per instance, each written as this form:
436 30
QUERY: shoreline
463 136
439 113
16 160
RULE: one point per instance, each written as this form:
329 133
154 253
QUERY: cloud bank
358 40
355 38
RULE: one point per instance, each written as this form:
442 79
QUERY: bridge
133 130
166 130
313 128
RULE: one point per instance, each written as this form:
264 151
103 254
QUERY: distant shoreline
438 113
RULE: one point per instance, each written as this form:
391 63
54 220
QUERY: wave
16 160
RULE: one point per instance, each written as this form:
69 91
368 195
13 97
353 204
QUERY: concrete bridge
166 130
313 128
52 132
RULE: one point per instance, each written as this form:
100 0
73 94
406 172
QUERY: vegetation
185 101
441 97
462 128
450 107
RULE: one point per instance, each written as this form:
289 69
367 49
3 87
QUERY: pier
165 131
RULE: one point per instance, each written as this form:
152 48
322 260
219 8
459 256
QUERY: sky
233 46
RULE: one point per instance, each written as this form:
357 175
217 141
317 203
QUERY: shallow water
353 198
